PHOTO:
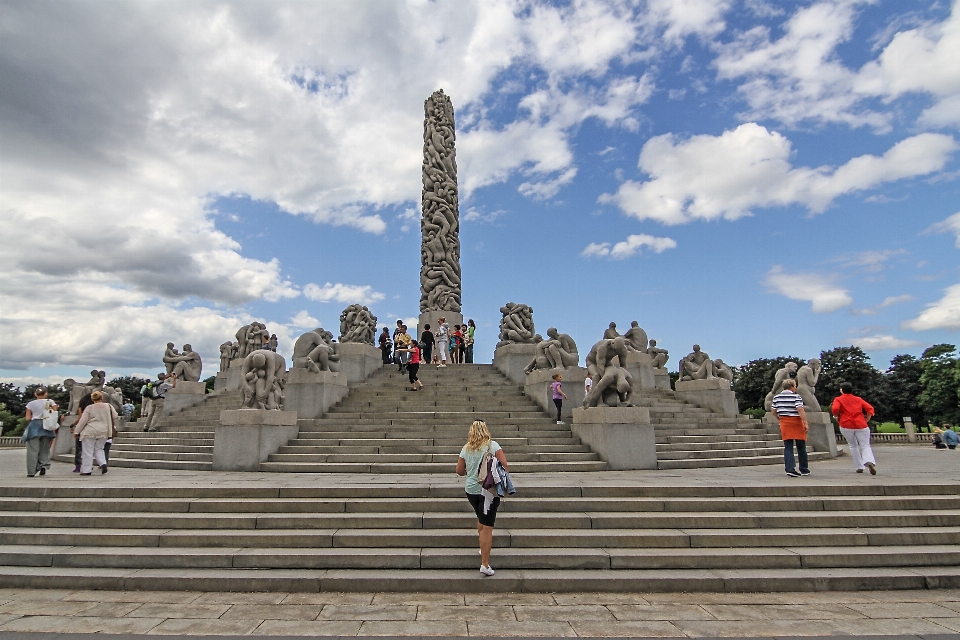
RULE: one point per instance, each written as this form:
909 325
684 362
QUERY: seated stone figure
187 365
358 325
807 378
788 370
316 351
261 380
170 358
611 332
636 338
516 326
721 370
558 352
660 357
97 379
696 365
612 383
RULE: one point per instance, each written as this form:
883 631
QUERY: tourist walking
41 414
852 412
788 407
443 340
402 342
426 344
386 346
558 395
456 339
160 389
484 504
471 332
84 402
413 366
95 427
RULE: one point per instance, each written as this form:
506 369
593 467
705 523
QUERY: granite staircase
550 537
382 426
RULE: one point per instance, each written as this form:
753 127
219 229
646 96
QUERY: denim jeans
801 454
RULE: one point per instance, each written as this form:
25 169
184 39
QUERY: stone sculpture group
612 382
316 351
262 376
806 377
186 365
516 325
440 224
358 325
557 352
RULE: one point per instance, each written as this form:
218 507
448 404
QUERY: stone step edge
469 581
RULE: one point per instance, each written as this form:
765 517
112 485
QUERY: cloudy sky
763 178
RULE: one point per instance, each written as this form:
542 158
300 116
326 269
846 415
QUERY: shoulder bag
51 418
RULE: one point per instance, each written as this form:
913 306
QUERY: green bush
755 413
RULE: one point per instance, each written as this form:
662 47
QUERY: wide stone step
703 454
298 447
448 457
151 463
710 446
135 454
697 463
422 468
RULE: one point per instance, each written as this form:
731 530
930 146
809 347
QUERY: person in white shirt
35 436
587 385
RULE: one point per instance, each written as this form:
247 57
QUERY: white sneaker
561 422
487 571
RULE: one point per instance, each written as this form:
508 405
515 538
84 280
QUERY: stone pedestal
312 394
713 394
821 437
246 437
430 318
512 359
661 379
64 442
359 361
185 394
537 387
623 436
229 380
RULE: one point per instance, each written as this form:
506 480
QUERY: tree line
926 389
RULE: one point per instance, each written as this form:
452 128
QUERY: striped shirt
786 403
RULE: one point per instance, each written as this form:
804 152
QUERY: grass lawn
890 427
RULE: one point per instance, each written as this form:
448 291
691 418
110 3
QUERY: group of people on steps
432 347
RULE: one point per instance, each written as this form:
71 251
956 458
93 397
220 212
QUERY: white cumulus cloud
942 314
821 292
881 342
628 247
727 176
342 293
950 225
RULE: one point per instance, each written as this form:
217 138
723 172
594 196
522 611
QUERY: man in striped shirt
788 407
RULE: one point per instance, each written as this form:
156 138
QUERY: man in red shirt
852 412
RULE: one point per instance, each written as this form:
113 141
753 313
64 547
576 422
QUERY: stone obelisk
440 224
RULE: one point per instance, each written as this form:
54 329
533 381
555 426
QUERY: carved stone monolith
440 225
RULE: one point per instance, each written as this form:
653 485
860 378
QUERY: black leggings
412 371
559 403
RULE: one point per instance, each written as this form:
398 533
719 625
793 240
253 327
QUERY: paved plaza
913 613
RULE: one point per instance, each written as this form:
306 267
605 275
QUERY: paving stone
198 627
530 613
368 612
45 607
446 599
904 610
329 598
479 599
757 628
492 628
172 597
319 628
659 612
953 624
600 598
414 628
647 629
59 624
242 598
272 612
889 626
163 610
781 611
481 612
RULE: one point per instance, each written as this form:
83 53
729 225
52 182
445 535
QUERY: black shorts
488 518
412 372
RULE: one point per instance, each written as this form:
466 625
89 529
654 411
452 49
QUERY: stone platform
704 530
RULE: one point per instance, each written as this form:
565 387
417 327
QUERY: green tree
209 382
850 364
129 385
939 381
12 398
754 380
903 382
9 419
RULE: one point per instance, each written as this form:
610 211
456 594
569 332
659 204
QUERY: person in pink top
413 366
852 413
558 395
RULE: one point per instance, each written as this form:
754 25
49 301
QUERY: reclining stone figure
316 351
559 352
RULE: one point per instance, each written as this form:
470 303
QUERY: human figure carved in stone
636 338
696 365
77 391
789 370
516 326
113 396
612 383
611 332
659 356
96 379
261 377
170 358
440 287
558 352
228 351
251 337
187 365
316 351
807 378
273 342
721 370
357 325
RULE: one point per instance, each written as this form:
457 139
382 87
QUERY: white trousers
442 348
859 441
92 448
